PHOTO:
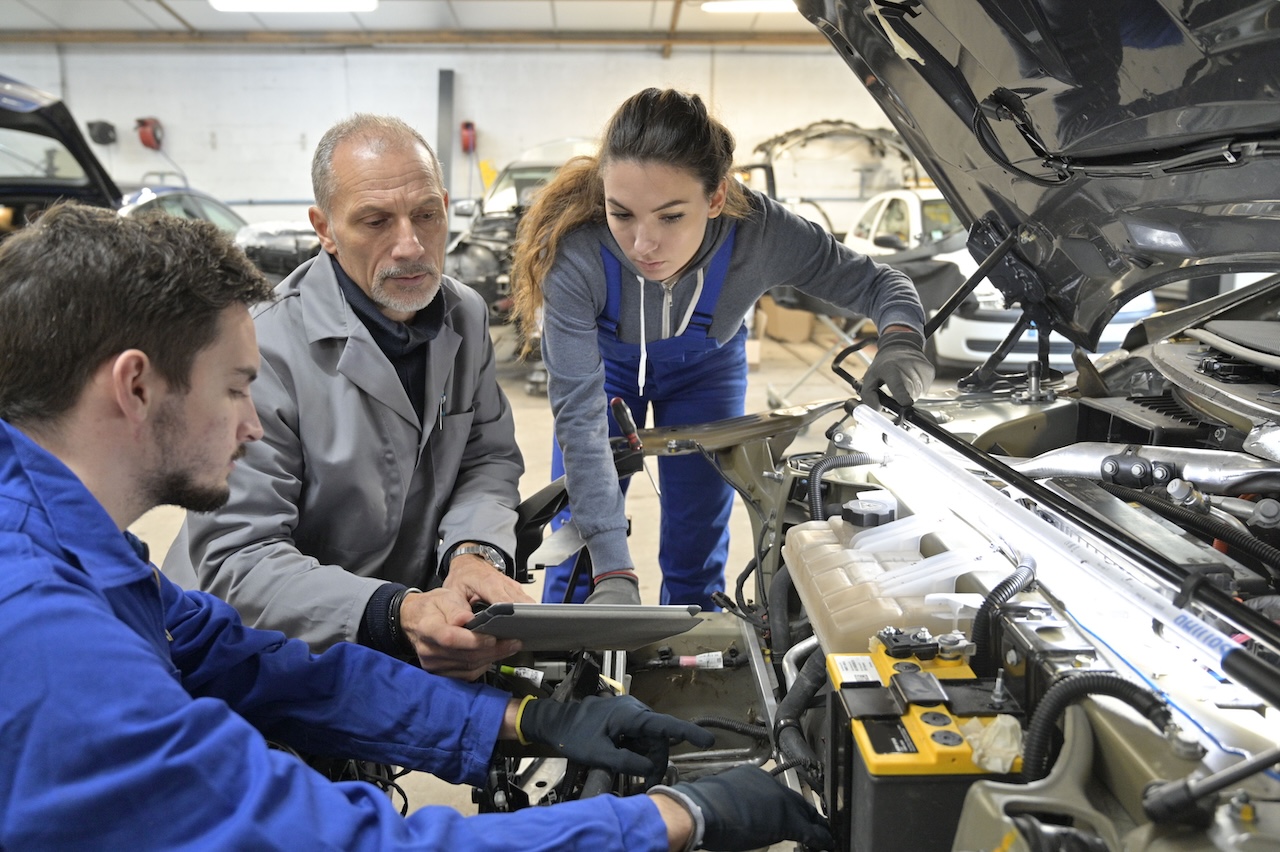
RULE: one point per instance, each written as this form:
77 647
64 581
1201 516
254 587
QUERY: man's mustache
408 271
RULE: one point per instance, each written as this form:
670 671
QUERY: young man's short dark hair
84 283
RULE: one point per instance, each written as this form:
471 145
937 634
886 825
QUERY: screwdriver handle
626 422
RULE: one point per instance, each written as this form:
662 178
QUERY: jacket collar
63 510
326 315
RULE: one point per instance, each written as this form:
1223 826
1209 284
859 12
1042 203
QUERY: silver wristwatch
485 552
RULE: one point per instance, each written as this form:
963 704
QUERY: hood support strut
986 372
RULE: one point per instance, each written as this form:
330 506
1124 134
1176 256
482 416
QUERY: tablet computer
598 627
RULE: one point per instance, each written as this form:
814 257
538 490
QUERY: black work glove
616 587
747 808
620 733
900 367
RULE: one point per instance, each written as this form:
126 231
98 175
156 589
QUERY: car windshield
29 155
515 187
938 220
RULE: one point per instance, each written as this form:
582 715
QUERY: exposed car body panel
480 256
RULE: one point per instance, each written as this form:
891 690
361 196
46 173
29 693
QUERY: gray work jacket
347 489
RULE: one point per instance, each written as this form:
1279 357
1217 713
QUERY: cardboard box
784 324
753 353
756 323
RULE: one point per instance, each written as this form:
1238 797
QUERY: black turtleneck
402 342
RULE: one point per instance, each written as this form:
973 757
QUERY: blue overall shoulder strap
712 284
608 319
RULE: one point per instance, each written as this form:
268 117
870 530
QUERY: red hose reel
150 132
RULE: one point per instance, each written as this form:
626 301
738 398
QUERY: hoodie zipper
667 307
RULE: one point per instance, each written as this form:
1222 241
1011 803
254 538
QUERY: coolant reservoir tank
854 580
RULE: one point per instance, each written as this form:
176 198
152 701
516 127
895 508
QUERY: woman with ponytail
640 265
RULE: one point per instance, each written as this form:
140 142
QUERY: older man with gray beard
388 462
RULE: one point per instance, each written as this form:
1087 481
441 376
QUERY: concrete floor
781 365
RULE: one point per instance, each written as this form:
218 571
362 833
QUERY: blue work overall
690 378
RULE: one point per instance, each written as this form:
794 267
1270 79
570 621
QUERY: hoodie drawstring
644 354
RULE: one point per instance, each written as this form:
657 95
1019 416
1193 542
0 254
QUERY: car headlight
471 262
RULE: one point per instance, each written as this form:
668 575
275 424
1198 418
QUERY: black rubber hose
792 745
759 732
819 469
597 783
1265 553
982 662
738 604
779 612
1069 690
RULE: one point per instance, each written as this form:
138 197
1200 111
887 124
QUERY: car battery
898 766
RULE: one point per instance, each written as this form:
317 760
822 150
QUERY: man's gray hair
381 131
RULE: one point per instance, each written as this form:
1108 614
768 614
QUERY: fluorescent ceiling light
750 7
294 5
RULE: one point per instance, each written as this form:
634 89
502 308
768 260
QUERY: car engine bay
1041 617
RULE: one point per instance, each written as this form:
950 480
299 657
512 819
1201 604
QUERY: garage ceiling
663 24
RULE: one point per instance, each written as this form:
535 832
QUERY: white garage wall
243 123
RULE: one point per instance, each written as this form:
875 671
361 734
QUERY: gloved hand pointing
746 808
900 367
620 733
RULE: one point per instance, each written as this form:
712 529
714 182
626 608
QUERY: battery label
887 737
856 670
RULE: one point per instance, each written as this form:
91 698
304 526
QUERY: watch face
489 554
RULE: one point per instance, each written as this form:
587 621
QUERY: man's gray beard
384 299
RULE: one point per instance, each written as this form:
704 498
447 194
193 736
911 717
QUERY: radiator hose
780 611
792 746
819 469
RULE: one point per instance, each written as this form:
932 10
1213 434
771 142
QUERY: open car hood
1114 145
31 111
